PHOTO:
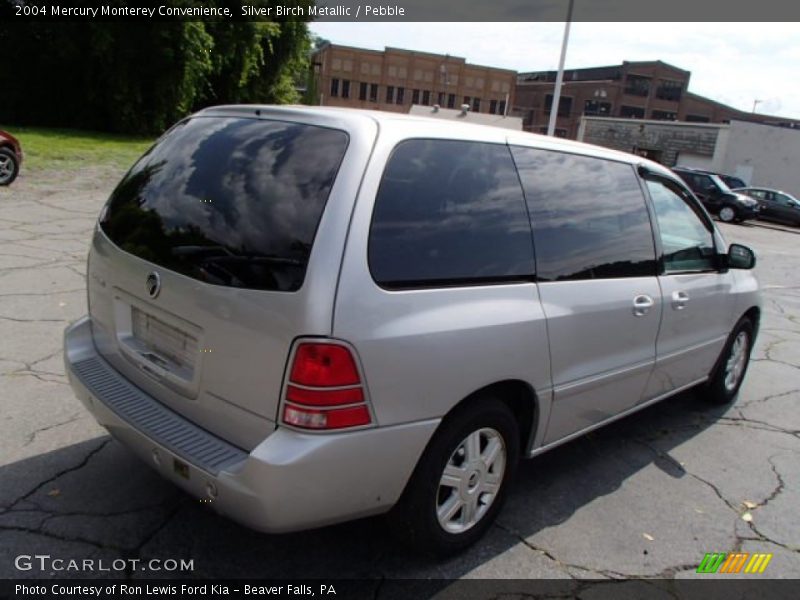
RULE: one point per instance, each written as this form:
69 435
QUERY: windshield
720 184
228 201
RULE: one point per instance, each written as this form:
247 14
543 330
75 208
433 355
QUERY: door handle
679 300
642 305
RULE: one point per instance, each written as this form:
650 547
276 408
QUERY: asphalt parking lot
645 497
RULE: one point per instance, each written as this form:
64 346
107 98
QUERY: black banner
404 10
700 588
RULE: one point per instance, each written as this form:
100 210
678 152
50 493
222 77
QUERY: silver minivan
308 315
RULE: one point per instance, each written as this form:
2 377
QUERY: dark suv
717 197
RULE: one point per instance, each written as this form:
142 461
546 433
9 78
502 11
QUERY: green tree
140 77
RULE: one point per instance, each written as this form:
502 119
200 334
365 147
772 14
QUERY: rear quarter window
449 213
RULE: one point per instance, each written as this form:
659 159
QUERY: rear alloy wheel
8 166
460 482
471 480
733 364
727 214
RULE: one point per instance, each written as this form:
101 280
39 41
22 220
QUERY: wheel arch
754 315
519 396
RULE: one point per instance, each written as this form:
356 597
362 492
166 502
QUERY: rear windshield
228 201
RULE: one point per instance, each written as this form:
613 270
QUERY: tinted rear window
449 213
229 201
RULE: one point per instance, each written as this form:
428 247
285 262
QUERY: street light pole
551 126
756 103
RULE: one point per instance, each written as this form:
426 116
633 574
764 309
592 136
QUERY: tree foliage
142 76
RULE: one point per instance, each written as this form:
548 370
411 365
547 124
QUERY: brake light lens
325 390
324 365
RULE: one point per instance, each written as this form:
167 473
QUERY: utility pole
551 126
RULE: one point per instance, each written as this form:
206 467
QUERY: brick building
640 90
394 79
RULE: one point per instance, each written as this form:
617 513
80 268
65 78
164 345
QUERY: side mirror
712 190
741 257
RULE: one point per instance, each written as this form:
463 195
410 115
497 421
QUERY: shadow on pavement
99 498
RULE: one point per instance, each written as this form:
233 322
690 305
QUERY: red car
10 157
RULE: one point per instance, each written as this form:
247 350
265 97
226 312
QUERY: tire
727 214
416 521
732 364
9 166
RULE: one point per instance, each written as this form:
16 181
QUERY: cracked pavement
645 497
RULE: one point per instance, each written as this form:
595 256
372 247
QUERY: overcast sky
734 63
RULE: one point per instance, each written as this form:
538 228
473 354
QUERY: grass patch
70 149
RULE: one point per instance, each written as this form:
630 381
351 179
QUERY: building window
476 105
415 97
637 85
631 112
389 94
362 91
334 87
502 108
373 92
564 105
669 90
493 106
451 100
597 108
401 92
440 99
345 88
663 115
698 119
426 97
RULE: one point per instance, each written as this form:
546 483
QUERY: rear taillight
325 390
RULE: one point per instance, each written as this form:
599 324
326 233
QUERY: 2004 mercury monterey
309 315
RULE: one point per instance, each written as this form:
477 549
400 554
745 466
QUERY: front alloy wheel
471 480
727 214
737 361
732 364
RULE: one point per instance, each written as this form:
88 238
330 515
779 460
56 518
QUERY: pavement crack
32 436
676 464
564 566
61 473
779 488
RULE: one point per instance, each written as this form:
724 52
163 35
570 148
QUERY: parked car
10 157
775 205
309 315
717 197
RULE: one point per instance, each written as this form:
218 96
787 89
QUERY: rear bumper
290 481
